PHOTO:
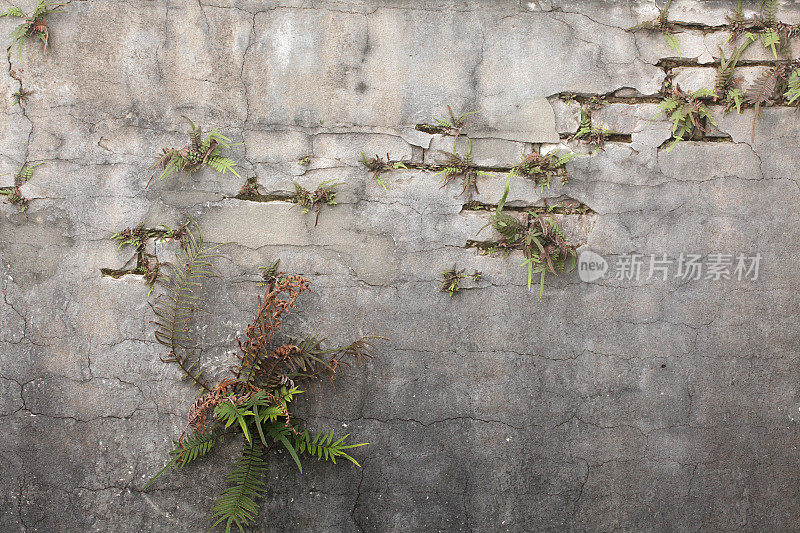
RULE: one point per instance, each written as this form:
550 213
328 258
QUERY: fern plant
453 126
455 165
175 307
792 92
201 152
686 112
20 96
663 25
541 168
147 263
765 27
588 133
253 405
35 25
13 194
24 173
539 237
378 166
451 279
726 86
770 85
324 194
14 197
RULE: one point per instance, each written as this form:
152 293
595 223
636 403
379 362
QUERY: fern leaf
672 41
769 10
194 446
27 171
196 135
222 165
793 87
770 39
237 505
13 12
323 447
175 307
664 13
761 92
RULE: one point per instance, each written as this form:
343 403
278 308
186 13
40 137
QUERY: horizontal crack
565 207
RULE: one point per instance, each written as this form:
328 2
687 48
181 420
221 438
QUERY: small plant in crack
726 86
324 194
451 279
588 133
541 168
378 166
270 274
764 27
254 404
13 194
20 96
35 25
686 112
24 174
305 160
249 189
138 236
447 127
147 263
663 25
455 165
14 197
773 83
201 152
543 244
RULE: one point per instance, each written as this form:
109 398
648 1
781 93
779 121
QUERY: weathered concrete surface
644 406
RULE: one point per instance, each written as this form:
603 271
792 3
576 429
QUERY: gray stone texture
643 405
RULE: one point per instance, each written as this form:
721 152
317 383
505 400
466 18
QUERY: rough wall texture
651 405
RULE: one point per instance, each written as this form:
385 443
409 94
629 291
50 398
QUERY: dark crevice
673 62
607 98
117 273
613 137
564 206
258 197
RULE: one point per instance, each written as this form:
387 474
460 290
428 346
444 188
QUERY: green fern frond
237 505
672 41
191 448
771 39
195 135
26 172
793 87
13 12
175 308
664 13
323 447
223 141
222 165
769 10
44 8
198 154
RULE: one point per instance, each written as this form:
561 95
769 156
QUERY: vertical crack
355 503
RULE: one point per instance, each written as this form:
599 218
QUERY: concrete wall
646 405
